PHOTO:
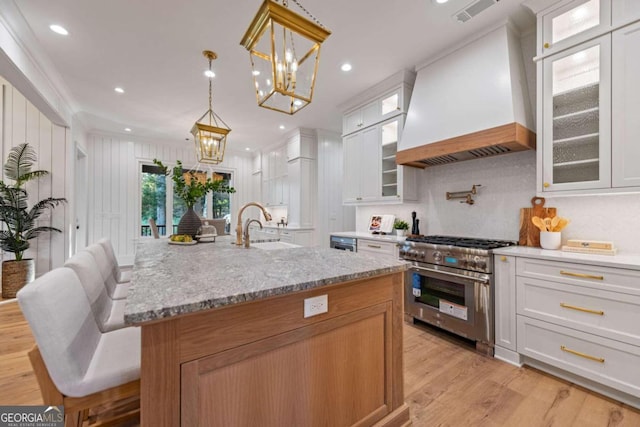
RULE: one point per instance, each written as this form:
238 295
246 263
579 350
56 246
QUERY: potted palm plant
19 220
191 188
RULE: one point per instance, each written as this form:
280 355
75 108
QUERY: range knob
482 265
437 256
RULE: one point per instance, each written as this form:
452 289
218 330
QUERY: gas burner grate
463 242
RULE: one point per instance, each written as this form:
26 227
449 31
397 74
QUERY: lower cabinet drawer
608 314
382 248
608 362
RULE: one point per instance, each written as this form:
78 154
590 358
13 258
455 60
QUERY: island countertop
171 280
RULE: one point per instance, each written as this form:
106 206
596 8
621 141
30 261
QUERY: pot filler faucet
239 230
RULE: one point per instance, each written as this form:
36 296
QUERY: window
155 204
154 199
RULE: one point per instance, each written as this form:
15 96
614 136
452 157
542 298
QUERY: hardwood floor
446 384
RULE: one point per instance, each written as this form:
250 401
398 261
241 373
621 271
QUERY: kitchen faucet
267 216
246 230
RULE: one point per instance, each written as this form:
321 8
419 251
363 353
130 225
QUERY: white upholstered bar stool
122 276
109 313
114 289
75 364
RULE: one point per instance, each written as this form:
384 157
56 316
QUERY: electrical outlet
316 305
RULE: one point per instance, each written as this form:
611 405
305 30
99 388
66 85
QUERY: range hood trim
513 136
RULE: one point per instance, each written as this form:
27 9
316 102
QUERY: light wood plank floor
446 384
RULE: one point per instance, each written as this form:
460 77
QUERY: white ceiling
152 48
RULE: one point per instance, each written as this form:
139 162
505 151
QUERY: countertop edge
629 261
136 319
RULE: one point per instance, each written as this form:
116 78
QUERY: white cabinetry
575 320
626 105
588 97
275 189
505 309
371 131
378 248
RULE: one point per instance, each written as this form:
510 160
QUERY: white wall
114 188
508 184
22 122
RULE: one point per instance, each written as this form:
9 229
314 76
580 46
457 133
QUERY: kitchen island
225 341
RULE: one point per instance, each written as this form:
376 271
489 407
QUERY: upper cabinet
371 131
573 22
589 98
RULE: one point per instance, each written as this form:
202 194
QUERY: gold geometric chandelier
210 131
284 48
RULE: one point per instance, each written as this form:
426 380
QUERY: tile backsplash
508 184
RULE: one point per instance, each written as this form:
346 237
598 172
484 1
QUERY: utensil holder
550 240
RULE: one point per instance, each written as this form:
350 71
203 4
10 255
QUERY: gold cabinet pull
584 276
546 185
503 258
375 246
586 356
546 45
586 310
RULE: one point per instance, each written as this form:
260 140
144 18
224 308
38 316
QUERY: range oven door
451 300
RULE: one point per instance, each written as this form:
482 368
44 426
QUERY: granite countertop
630 261
362 235
170 280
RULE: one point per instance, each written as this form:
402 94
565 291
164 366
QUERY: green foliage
194 190
153 196
19 219
400 225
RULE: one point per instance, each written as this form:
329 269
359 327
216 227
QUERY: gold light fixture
210 131
284 48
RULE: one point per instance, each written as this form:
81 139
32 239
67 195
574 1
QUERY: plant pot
400 232
16 274
190 223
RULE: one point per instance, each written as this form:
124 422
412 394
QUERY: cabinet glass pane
389 168
390 104
575 21
576 116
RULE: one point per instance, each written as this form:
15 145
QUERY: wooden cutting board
529 233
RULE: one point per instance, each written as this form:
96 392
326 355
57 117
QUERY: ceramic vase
190 223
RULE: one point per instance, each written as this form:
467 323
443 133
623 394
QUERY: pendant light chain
285 3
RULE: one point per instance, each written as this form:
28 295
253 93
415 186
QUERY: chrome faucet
267 216
245 234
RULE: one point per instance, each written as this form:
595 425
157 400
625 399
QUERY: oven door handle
484 281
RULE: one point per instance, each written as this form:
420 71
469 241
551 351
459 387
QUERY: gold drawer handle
503 258
586 310
584 276
375 246
547 45
586 356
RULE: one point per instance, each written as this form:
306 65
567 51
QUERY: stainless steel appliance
344 243
449 284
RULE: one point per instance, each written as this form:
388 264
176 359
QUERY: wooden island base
262 363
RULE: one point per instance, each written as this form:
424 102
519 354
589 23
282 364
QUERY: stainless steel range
449 284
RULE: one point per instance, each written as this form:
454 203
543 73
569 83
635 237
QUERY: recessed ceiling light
346 67
248 149
440 1
119 90
58 29
281 126
210 74
255 72
127 129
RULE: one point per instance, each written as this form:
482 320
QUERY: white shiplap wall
114 196
22 122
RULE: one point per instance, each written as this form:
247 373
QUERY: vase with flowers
191 187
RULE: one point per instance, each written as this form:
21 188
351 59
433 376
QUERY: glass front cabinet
577 117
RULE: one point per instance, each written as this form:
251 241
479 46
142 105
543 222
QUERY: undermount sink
274 245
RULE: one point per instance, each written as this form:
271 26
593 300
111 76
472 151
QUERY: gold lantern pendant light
284 48
210 131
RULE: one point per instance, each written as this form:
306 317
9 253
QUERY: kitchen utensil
554 222
547 223
529 233
538 222
562 223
